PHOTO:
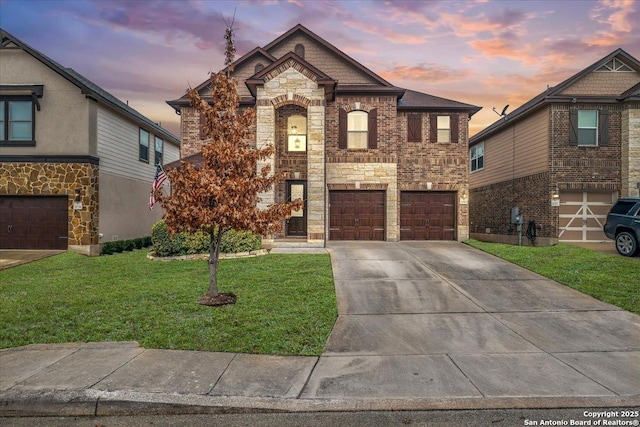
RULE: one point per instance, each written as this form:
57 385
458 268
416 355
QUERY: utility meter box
516 218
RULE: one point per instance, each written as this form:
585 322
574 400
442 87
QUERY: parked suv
623 225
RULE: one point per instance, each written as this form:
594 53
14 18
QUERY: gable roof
87 87
407 99
291 59
302 29
554 94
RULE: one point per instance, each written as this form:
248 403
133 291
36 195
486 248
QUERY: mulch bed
218 299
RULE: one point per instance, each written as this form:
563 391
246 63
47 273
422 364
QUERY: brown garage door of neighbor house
33 222
356 215
427 215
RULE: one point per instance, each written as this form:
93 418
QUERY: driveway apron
441 319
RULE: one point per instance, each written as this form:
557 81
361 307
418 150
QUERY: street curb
90 402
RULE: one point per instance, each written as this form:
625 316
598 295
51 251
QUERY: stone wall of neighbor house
578 168
631 151
48 179
490 206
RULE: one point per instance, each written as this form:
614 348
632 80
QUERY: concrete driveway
13 257
444 320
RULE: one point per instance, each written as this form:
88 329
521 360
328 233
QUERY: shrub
128 245
196 243
107 249
146 241
118 246
240 241
138 243
166 244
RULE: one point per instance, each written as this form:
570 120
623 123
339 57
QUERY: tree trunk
214 256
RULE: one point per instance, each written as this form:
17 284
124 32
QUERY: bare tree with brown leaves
222 193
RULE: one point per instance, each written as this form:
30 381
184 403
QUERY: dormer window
299 50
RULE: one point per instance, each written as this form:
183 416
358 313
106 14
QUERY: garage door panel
33 222
427 215
356 215
582 215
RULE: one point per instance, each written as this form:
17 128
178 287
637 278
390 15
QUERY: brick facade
292 86
585 168
570 169
490 206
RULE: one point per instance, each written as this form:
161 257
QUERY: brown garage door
33 222
356 215
427 215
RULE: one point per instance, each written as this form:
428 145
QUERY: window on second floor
299 50
477 157
297 133
444 129
589 128
357 130
17 119
159 150
144 146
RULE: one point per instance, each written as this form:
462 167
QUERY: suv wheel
626 244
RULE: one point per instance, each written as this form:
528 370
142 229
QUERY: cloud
605 39
509 21
433 73
616 13
410 12
160 22
386 33
500 47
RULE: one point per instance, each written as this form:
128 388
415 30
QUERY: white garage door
582 215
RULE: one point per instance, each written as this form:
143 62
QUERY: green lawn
607 277
286 303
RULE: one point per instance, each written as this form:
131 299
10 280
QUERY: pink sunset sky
485 53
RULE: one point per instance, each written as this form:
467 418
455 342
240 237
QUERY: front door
297 224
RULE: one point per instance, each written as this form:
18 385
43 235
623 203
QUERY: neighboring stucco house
76 164
371 160
563 157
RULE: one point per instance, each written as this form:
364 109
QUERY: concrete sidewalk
422 325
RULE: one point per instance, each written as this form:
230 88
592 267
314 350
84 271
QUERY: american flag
159 179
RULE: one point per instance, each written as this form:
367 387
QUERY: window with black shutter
589 128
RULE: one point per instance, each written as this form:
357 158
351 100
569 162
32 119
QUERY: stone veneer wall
49 179
631 151
287 87
293 165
